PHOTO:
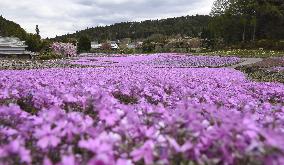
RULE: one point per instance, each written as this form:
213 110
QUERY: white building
96 45
13 46
114 45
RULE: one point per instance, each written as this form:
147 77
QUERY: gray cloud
57 17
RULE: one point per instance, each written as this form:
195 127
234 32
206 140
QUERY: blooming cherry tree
64 49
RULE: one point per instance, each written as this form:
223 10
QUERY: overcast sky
57 17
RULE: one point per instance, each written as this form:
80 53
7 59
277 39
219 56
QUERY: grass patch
245 53
262 71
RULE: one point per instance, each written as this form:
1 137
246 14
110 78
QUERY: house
114 45
12 46
96 45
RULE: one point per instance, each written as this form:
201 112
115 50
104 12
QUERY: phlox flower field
157 60
139 114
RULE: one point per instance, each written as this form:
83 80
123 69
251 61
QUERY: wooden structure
13 47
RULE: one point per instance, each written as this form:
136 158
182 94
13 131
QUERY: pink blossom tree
64 49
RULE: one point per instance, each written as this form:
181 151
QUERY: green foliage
246 53
158 38
148 46
265 70
270 44
265 44
37 30
9 28
127 51
33 42
263 75
45 45
247 20
84 44
155 42
47 55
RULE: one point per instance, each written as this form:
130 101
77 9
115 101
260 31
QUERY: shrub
106 46
127 51
148 46
49 56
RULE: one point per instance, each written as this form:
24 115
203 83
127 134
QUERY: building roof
15 52
13 46
11 42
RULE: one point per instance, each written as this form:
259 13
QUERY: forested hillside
10 28
186 26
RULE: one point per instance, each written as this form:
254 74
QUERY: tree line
247 22
185 26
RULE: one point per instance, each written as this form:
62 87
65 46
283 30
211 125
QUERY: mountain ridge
184 25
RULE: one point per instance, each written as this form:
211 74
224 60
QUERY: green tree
158 38
242 12
33 42
45 45
84 44
37 30
248 20
220 7
253 22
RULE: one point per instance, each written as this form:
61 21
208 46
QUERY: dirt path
246 61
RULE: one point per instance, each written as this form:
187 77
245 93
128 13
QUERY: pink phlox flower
145 152
251 128
47 161
68 160
179 148
47 136
17 147
110 117
102 144
102 159
4 94
124 162
69 98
